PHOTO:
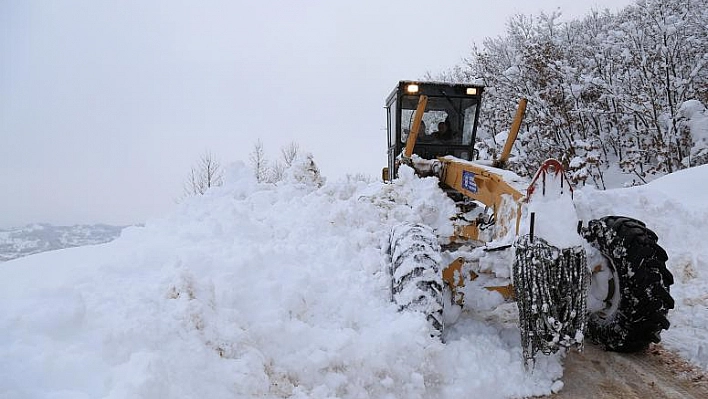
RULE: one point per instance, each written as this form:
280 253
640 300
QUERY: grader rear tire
638 298
416 279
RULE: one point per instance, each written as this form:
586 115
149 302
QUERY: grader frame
551 280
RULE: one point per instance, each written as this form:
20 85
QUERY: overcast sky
105 105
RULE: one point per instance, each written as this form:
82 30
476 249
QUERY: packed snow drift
282 291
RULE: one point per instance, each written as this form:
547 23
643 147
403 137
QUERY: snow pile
553 208
281 291
252 290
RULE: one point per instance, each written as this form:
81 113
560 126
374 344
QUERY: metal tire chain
551 292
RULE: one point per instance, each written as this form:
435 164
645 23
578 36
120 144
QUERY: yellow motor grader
605 278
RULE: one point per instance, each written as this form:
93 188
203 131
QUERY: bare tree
259 162
290 153
262 168
277 172
206 174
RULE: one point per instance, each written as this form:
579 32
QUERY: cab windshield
446 121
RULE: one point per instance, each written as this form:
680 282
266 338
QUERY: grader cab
454 106
606 278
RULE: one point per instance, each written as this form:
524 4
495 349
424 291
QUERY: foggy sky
105 105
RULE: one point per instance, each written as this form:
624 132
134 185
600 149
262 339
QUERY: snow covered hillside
36 238
274 291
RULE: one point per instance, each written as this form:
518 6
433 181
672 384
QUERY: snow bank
251 290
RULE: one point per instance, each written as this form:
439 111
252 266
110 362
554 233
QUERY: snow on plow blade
551 289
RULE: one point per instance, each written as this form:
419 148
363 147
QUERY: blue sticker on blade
468 181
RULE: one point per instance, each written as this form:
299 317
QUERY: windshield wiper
451 103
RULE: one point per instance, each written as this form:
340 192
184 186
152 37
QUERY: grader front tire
416 280
640 279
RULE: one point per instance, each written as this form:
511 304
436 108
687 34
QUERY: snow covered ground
276 291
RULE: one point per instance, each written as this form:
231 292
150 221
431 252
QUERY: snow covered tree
206 174
259 163
288 155
262 169
607 92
